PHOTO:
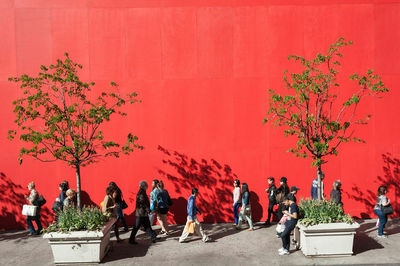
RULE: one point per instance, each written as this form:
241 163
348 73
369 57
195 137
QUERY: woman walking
32 198
163 203
381 202
236 200
119 202
109 207
245 211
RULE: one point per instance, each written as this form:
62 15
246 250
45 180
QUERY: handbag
57 207
280 227
190 227
29 210
387 210
124 205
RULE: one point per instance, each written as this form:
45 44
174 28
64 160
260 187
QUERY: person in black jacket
271 190
284 191
336 193
142 214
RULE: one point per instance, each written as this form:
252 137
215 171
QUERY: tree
59 121
312 111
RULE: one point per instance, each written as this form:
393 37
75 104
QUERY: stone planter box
332 239
80 246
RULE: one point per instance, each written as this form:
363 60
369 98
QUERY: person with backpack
33 200
59 202
245 211
281 192
163 203
271 190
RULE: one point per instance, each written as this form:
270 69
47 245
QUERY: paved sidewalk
229 247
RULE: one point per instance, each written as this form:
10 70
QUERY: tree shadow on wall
214 181
391 179
12 199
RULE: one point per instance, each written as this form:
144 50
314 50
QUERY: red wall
202 69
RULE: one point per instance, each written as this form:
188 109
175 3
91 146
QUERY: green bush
72 219
314 212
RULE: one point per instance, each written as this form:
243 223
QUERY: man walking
192 211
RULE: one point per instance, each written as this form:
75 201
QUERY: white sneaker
284 252
280 250
382 236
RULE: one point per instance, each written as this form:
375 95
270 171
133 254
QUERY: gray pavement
229 247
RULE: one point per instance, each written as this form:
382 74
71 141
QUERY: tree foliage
311 110
58 120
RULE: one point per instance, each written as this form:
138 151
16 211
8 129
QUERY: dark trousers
236 211
121 217
271 211
285 235
145 222
37 221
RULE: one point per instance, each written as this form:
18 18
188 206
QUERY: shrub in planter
314 212
80 236
72 219
325 230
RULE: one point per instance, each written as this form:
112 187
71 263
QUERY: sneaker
280 250
382 236
284 252
208 239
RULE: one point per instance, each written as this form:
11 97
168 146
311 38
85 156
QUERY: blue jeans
37 221
120 215
382 220
236 211
285 235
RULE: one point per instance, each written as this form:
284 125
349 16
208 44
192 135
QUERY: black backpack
40 201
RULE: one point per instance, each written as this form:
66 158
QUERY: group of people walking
158 205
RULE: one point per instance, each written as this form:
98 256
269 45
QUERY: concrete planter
80 246
332 239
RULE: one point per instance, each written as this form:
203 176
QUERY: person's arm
245 200
190 208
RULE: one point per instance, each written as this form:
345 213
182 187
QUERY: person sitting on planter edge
290 224
192 211
336 193
69 201
314 187
33 196
142 214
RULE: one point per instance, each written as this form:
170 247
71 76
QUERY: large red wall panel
203 70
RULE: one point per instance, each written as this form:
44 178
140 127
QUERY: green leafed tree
58 118
312 110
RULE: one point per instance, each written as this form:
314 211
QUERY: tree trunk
319 174
78 186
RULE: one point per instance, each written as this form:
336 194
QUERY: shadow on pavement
362 241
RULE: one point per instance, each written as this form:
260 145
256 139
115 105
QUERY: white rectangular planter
331 239
80 246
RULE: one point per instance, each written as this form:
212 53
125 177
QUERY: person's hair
245 188
194 191
142 184
160 184
336 184
285 198
31 185
382 190
156 181
283 179
112 184
109 190
70 192
272 179
237 181
64 186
